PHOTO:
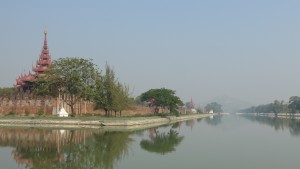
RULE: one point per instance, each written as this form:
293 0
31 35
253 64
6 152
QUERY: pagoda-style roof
44 60
40 69
24 80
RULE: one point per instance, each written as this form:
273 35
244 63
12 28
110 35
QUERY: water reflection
190 123
66 148
214 120
199 120
293 125
177 125
162 142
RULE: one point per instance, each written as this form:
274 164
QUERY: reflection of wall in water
41 141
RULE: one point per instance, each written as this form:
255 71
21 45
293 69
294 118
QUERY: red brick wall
24 105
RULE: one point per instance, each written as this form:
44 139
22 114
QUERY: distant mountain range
230 104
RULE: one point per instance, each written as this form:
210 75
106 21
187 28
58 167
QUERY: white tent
62 113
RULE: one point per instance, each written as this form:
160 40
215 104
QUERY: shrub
40 112
163 115
176 113
11 113
27 112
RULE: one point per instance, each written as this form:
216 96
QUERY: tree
200 110
73 78
111 95
104 88
41 87
164 98
7 91
294 104
216 107
121 100
277 107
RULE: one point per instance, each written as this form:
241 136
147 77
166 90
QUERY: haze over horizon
201 49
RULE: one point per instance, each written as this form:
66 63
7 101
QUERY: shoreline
118 123
280 115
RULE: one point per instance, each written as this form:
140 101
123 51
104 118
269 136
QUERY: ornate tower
190 105
25 81
44 60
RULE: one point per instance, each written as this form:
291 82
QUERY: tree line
77 79
292 107
7 91
80 79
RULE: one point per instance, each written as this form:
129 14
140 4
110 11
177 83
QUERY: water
229 141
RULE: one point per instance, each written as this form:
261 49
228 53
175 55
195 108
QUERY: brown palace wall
31 106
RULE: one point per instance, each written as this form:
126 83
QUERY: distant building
190 106
25 81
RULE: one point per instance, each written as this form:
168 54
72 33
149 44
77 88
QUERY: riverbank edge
111 123
279 115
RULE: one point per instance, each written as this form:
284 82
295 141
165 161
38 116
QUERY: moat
223 141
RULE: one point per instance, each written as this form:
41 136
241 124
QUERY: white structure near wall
62 113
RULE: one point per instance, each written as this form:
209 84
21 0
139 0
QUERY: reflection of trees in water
294 127
199 120
68 149
34 146
214 120
99 151
190 123
161 143
278 123
177 125
34 157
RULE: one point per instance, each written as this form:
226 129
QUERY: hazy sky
247 49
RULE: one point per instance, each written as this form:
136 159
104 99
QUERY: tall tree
162 98
294 104
216 107
277 107
111 95
74 78
121 100
104 88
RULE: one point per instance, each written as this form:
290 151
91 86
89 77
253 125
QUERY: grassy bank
93 121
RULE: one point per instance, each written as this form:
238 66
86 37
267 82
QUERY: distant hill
230 104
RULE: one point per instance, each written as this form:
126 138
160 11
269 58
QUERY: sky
245 49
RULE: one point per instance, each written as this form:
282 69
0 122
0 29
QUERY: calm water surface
229 141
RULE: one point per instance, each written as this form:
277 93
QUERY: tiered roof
44 60
25 80
190 105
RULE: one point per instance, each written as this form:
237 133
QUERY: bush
11 113
137 115
176 113
87 115
27 112
40 112
163 115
